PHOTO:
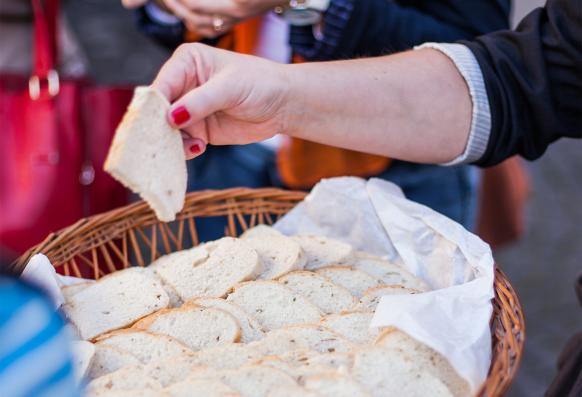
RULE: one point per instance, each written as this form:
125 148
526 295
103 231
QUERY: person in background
478 102
35 348
334 29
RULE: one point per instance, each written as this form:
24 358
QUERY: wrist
293 99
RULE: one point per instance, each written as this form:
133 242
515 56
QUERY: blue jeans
451 191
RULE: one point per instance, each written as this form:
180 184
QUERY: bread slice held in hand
147 154
196 327
273 304
115 301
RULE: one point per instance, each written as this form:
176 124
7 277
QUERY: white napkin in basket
40 271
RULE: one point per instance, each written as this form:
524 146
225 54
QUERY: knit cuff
469 68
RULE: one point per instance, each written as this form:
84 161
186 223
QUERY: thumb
199 103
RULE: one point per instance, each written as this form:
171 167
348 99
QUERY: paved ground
542 266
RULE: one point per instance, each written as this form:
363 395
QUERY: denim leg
223 167
452 191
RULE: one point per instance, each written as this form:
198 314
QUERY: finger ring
217 23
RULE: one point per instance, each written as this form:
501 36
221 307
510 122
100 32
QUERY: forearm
413 106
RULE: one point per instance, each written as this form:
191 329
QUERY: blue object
35 347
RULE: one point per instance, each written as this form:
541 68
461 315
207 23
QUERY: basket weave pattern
132 235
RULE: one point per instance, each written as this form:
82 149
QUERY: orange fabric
301 164
503 197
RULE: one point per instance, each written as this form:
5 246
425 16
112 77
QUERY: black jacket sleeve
533 78
380 27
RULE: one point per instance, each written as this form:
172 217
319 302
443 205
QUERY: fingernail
180 115
195 149
197 146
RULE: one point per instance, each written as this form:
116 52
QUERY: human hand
130 4
223 98
211 18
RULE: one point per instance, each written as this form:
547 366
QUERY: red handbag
54 136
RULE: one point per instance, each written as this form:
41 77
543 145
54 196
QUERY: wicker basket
133 236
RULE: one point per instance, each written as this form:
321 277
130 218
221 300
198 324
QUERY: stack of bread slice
264 315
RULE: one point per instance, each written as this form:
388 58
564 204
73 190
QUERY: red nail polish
180 115
195 149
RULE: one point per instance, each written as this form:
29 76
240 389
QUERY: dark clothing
533 78
355 28
568 382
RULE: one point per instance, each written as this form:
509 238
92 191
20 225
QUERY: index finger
178 75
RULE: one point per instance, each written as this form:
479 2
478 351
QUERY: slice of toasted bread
292 391
386 272
302 337
322 251
210 270
354 326
256 380
399 343
355 281
202 388
251 330
173 370
70 290
372 297
198 328
115 301
230 356
146 346
322 292
83 353
125 379
273 304
261 231
147 154
108 359
334 385
279 255
385 374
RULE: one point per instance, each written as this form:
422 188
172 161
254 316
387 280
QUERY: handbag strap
45 78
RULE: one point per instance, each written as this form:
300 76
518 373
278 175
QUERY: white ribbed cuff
469 68
159 15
